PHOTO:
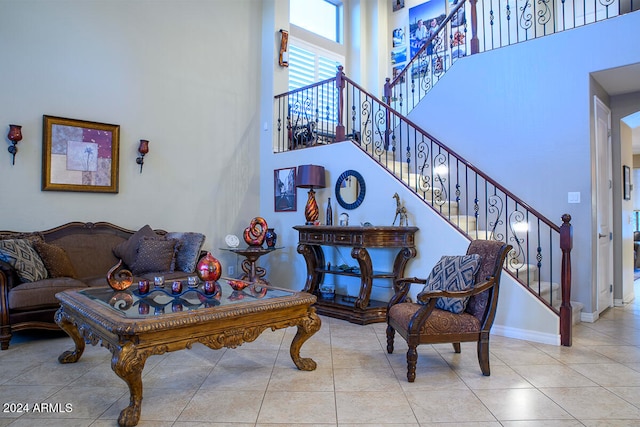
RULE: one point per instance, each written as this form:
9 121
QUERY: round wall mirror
350 189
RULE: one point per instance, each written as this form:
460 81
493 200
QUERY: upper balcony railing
492 24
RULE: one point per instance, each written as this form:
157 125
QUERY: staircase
339 109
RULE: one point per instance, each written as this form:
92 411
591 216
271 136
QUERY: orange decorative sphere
209 268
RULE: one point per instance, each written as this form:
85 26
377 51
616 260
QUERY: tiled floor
596 382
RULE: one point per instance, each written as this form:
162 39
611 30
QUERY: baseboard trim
589 317
527 335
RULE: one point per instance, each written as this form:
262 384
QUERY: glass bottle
329 214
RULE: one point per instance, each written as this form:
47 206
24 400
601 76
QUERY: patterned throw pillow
188 250
20 255
155 254
453 273
55 259
127 251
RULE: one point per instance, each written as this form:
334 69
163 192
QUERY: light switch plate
573 197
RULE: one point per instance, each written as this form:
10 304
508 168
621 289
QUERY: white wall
519 315
184 75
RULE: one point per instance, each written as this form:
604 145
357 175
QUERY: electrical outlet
231 270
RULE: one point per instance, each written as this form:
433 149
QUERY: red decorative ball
209 268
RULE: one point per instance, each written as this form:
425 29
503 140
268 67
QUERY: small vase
271 238
209 268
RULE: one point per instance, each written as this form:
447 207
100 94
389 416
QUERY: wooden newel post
566 317
386 91
475 42
340 133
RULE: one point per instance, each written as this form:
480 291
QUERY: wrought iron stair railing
467 198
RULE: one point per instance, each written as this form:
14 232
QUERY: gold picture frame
79 155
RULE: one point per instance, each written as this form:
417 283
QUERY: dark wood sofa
91 251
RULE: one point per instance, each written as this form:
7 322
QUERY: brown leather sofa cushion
41 294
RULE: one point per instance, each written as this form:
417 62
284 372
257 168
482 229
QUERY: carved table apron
119 321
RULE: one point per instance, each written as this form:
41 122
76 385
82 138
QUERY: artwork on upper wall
398 37
399 55
397 4
79 155
284 190
423 21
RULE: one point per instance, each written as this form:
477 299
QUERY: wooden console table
361 309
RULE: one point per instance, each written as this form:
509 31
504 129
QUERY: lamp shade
310 176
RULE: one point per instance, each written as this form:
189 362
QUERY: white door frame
604 208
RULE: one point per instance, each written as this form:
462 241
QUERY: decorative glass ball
209 268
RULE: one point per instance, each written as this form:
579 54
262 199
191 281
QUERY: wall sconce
283 60
310 176
15 135
143 149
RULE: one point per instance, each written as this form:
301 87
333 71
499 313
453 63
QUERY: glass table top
131 303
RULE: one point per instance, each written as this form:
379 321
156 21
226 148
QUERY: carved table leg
306 328
366 276
70 328
128 363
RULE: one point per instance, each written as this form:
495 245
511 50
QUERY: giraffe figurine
401 212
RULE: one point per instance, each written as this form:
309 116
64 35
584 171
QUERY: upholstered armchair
457 304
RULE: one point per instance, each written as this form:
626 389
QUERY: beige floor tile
377 379
620 353
521 404
292 379
609 374
574 355
248 358
26 421
502 377
355 358
630 394
51 373
320 354
553 376
22 395
86 402
595 403
234 378
448 406
185 377
609 423
432 378
371 407
221 406
290 407
158 404
542 423
523 356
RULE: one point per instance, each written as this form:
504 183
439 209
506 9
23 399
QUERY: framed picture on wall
626 182
79 155
397 4
284 190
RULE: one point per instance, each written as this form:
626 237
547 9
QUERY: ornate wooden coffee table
134 327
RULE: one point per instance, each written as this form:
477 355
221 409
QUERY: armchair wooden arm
424 296
401 287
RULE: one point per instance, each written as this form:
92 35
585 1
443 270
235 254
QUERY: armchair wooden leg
483 356
5 337
456 347
390 336
412 359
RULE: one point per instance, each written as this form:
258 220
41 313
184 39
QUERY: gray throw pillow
453 273
20 255
127 251
155 255
188 249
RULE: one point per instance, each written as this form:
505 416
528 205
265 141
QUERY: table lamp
310 176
